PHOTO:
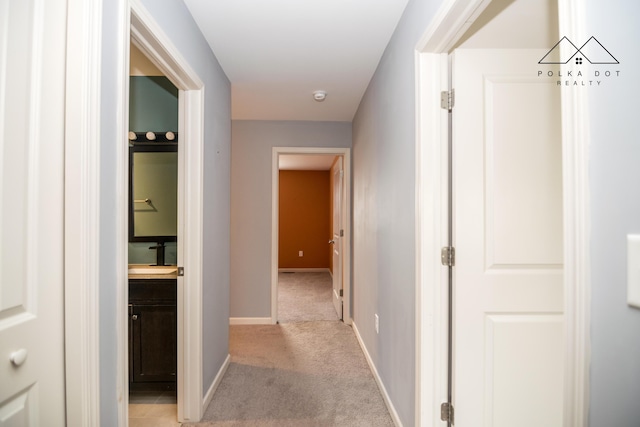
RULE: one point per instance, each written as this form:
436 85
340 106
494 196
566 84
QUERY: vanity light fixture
319 95
168 137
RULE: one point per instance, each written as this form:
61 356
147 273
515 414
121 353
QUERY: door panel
32 87
513 342
338 173
507 231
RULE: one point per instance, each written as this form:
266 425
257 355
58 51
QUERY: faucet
159 253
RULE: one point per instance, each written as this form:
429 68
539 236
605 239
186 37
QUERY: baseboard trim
376 376
250 321
216 382
304 270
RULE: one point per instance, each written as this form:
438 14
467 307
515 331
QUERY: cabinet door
154 342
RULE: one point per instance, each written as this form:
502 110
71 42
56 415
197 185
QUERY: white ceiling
278 52
314 162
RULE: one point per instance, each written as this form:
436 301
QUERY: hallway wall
177 23
251 157
615 212
384 211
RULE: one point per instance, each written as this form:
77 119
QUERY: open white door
337 232
32 108
507 233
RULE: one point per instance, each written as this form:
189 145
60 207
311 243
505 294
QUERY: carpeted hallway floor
300 372
305 297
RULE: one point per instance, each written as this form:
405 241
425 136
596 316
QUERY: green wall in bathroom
153 106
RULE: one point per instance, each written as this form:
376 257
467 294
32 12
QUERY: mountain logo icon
565 51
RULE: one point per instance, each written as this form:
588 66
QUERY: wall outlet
377 324
300 253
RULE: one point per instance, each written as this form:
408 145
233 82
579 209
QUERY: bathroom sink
153 269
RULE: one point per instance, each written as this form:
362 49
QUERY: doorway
147 36
328 158
154 144
459 23
309 258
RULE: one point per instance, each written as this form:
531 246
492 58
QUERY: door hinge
341 292
341 233
446 412
180 271
448 256
447 99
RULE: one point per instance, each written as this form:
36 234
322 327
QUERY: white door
32 88
336 240
507 233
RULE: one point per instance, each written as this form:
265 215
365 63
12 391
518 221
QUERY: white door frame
81 212
82 204
447 27
346 209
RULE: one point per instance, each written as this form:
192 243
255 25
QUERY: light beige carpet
302 373
304 297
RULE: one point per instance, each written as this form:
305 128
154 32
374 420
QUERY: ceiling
314 162
276 53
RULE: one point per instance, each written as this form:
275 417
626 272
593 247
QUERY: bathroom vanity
152 330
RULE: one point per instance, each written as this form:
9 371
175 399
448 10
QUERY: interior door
338 174
507 233
32 106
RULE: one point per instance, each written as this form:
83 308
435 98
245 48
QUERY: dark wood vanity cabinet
152 334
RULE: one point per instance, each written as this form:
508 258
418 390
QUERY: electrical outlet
377 324
300 253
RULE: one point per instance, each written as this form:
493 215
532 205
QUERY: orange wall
304 223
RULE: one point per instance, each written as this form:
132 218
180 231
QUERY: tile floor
153 409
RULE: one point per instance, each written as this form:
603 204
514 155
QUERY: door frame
82 209
431 59
346 216
149 37
81 212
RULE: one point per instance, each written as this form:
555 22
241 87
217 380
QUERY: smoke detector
319 95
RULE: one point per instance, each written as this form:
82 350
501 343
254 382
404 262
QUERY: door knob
134 317
333 242
18 357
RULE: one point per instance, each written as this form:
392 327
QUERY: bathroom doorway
150 39
152 248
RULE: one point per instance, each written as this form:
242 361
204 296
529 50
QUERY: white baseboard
376 376
304 270
216 382
250 321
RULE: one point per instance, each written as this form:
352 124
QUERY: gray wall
384 211
175 19
615 212
251 201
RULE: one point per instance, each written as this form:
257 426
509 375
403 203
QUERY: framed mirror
153 192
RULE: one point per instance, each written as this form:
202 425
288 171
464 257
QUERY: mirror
153 190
